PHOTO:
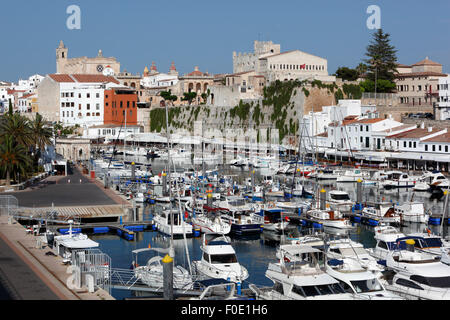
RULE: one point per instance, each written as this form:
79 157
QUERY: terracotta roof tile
94 78
413 134
420 74
372 120
61 77
440 138
427 62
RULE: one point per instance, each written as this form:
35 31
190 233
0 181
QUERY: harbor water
256 251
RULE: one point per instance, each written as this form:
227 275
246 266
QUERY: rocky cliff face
274 116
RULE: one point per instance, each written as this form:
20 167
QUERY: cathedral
85 65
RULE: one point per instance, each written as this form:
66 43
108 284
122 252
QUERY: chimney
430 129
422 125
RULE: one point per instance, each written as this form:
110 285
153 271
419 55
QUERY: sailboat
151 273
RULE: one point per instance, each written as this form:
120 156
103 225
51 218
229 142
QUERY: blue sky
205 33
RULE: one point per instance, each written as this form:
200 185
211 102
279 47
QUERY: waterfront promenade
31 273
62 191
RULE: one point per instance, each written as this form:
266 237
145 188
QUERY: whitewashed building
74 99
443 110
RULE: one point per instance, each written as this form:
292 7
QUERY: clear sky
205 33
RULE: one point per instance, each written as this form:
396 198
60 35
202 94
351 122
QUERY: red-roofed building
414 140
74 98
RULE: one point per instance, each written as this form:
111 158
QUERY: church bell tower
61 57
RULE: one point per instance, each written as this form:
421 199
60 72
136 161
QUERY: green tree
361 69
168 96
382 85
346 73
41 133
13 158
189 96
381 59
17 126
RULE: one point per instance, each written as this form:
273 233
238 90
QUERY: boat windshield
326 289
369 285
340 197
433 242
438 282
223 258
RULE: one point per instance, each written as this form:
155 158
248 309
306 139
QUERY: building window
426 147
97 106
88 95
434 147
97 95
88 106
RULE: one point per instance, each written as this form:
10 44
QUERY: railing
8 205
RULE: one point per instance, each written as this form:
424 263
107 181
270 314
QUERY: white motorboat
210 224
164 225
412 212
375 178
239 215
327 174
151 273
219 261
345 248
418 275
329 218
380 213
65 244
303 279
340 200
439 181
352 175
359 281
386 240
272 219
398 179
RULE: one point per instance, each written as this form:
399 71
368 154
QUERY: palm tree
13 158
17 126
41 135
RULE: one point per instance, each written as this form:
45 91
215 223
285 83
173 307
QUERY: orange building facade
120 105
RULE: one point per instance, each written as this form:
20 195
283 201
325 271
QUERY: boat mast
171 250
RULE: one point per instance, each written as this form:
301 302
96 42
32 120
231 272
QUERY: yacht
352 176
412 212
303 279
238 214
340 200
219 261
272 219
164 225
417 275
398 179
439 181
375 178
386 238
327 174
329 218
151 273
210 224
380 212
345 248
358 281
